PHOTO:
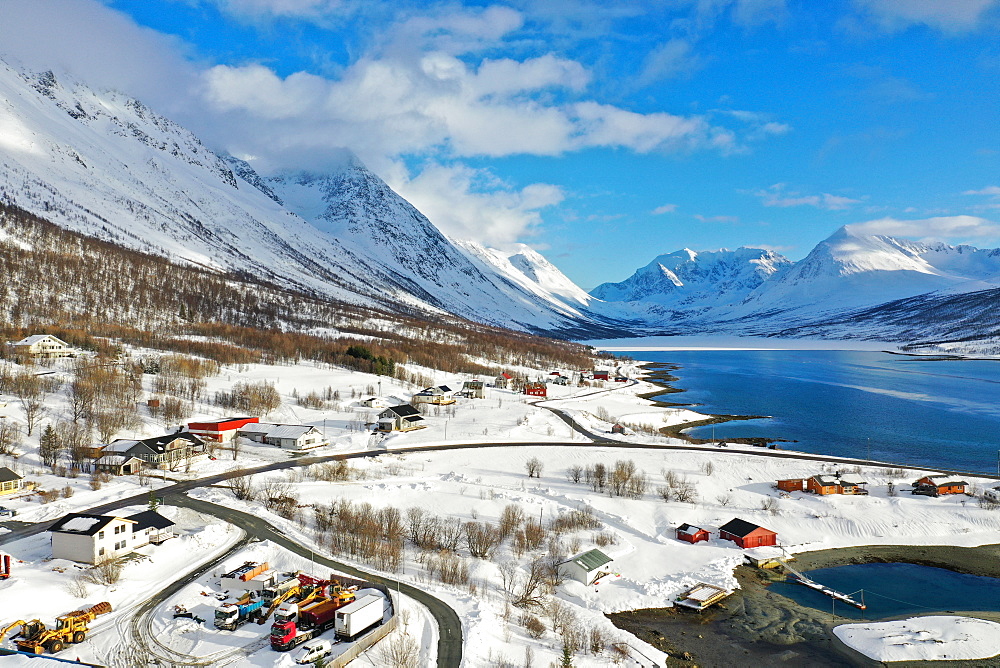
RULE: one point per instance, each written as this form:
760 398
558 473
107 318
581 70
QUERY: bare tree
574 473
399 650
243 487
534 467
10 437
106 571
482 539
511 519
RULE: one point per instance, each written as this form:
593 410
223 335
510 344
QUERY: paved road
449 649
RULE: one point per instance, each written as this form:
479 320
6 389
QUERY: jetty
812 584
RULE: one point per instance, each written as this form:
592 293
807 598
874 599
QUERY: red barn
792 485
219 431
536 389
692 534
745 534
602 375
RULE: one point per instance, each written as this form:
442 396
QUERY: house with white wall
90 538
44 346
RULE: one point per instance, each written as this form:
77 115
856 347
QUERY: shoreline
658 373
763 627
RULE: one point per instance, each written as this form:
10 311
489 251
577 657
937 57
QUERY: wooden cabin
692 534
792 485
701 596
938 485
746 534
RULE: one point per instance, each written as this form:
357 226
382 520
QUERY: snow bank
923 639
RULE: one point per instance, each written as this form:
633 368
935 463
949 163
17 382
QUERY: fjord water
892 590
893 408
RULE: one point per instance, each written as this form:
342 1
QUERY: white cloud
716 219
942 227
992 191
778 196
951 16
666 208
472 204
671 59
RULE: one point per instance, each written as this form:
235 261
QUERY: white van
311 651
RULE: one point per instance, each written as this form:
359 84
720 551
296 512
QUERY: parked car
312 652
7 512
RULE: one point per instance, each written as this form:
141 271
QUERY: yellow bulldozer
72 627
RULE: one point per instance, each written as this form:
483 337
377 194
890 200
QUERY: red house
745 534
692 534
219 431
602 375
536 389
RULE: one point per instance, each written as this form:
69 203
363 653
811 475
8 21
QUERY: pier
812 584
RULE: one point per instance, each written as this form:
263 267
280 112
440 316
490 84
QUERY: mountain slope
107 166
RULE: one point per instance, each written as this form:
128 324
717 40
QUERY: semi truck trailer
358 617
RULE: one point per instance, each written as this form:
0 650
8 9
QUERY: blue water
892 590
893 408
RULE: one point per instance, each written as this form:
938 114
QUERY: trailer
245 577
231 616
293 625
358 617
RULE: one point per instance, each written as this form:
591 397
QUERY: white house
586 567
44 345
150 527
374 402
440 395
90 538
288 436
992 494
475 389
400 418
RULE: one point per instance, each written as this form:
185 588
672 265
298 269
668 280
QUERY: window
100 552
100 535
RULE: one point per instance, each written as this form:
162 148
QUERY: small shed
10 482
938 485
617 429
746 534
586 567
692 534
536 389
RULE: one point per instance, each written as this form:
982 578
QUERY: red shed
792 485
219 430
692 534
745 534
602 375
536 389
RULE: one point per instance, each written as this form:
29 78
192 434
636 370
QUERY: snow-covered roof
702 592
114 460
84 523
121 445
689 529
942 480
37 338
852 479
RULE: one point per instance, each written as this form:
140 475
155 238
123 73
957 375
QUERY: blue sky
601 133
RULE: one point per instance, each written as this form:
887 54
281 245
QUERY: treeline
90 292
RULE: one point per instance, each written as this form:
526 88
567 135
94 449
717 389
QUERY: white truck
355 618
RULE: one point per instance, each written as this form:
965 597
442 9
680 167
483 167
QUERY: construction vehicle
279 593
296 623
72 627
231 616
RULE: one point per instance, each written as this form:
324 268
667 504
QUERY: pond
895 589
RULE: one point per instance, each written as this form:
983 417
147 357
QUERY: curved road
449 649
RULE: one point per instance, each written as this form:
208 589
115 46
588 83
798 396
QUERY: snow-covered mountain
851 284
105 165
853 270
695 281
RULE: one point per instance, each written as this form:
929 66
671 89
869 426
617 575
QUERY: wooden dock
812 584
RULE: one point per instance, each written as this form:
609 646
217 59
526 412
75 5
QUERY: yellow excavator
70 628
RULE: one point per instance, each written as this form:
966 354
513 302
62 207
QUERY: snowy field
935 638
708 342
650 566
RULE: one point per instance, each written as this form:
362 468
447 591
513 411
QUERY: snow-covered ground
935 638
650 566
710 342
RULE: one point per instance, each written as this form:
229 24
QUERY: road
449 649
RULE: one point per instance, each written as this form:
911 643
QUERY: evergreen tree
566 661
154 502
49 446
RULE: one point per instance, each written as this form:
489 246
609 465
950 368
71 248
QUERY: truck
293 625
246 577
35 638
231 616
277 590
358 617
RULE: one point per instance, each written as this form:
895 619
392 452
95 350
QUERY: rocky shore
757 627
